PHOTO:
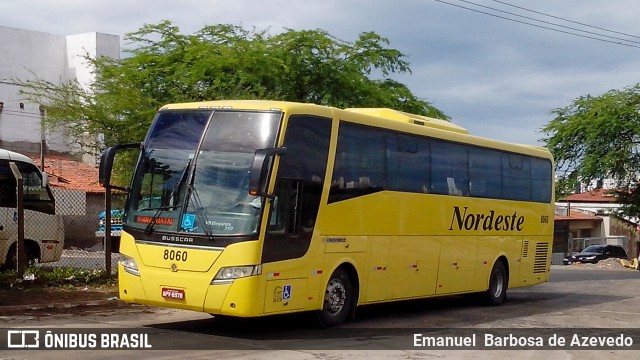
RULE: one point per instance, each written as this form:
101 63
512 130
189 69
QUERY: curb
24 309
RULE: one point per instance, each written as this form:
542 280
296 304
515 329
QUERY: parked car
116 227
594 253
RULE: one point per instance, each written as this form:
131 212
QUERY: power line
567 20
548 22
622 42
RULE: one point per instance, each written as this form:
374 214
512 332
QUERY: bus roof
410 118
286 105
244 104
425 125
385 113
14 156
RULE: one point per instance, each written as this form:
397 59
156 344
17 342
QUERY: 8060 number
175 255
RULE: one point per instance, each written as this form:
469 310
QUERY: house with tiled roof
592 217
66 173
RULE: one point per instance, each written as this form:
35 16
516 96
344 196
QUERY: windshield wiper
183 177
152 223
197 204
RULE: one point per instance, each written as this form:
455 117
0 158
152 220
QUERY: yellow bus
253 208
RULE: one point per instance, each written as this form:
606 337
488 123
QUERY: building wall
611 230
586 228
33 55
630 231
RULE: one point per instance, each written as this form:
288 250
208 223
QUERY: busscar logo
183 239
466 220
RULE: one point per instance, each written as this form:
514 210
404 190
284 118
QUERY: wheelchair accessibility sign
286 292
281 293
188 221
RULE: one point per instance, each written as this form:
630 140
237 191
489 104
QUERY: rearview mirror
106 164
260 170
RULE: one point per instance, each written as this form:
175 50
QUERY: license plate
173 294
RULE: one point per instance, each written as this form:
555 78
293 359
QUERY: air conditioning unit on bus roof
410 118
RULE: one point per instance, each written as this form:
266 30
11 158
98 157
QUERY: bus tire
11 261
338 300
496 294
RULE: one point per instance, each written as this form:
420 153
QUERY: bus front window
193 175
220 202
164 163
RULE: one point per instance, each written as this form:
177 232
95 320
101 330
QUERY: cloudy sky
496 77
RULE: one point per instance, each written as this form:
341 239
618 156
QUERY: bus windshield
37 196
193 174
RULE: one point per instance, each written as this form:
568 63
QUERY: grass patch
59 276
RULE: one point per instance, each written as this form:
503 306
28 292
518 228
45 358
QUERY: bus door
294 212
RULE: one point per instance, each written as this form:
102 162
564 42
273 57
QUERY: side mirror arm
260 170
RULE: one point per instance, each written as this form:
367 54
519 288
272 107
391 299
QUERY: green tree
224 62
596 138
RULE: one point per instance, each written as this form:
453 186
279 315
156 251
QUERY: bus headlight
129 265
226 275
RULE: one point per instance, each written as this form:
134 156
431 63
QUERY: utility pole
43 140
20 252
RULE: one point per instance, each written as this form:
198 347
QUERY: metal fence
81 214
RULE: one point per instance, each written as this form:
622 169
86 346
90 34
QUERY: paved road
93 258
580 299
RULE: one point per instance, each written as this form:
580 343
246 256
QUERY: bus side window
449 168
358 168
516 176
407 164
541 187
7 185
485 170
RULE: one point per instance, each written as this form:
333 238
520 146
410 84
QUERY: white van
43 229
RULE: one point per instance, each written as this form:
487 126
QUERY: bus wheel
11 261
12 258
498 282
338 300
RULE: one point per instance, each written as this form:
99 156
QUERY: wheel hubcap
335 296
499 284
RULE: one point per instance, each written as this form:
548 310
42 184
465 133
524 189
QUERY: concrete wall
32 55
80 216
80 229
620 227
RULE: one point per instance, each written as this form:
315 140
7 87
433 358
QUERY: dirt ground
44 295
608 264
38 299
